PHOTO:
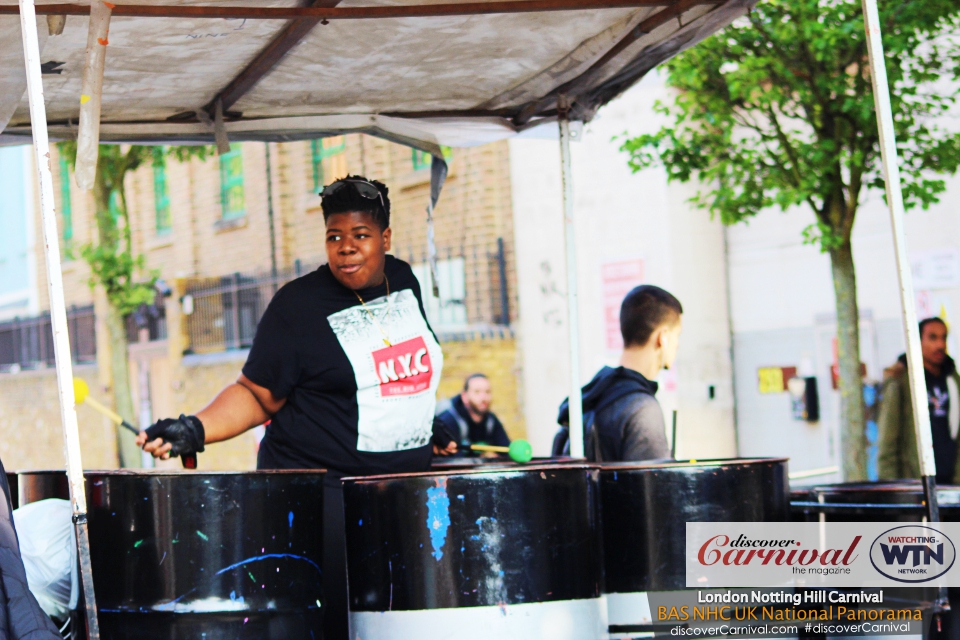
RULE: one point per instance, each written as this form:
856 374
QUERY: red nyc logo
403 369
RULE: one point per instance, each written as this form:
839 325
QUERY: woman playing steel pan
344 366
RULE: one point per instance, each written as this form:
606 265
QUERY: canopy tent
441 79
421 73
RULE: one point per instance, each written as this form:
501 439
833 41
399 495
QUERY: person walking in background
467 416
898 457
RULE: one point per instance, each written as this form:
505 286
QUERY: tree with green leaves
114 265
777 110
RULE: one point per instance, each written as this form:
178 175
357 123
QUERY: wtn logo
899 554
912 553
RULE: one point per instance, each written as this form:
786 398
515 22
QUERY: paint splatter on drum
186 555
506 553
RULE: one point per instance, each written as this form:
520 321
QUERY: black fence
473 284
27 343
150 319
222 313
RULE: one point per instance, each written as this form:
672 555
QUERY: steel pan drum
180 555
900 501
41 485
506 553
645 510
14 491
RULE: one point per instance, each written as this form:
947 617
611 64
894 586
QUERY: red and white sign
404 369
396 385
617 280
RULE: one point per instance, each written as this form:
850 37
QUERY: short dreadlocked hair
347 199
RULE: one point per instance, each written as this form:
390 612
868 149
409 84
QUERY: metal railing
222 313
150 319
473 283
27 343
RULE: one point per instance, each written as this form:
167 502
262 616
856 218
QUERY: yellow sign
771 379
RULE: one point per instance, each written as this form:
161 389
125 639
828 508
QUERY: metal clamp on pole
891 172
575 402
58 308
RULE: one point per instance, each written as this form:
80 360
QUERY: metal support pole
273 233
891 172
575 402
58 308
235 299
504 292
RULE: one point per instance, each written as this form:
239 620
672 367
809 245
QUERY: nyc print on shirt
396 383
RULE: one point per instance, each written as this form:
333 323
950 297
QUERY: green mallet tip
520 451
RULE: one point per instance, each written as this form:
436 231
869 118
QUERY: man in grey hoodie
621 416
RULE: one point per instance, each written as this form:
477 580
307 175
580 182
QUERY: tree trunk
120 371
852 426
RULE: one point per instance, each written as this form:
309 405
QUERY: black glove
185 433
441 437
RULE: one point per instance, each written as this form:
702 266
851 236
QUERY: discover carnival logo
743 551
912 553
821 554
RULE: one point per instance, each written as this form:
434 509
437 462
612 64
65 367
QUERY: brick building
205 226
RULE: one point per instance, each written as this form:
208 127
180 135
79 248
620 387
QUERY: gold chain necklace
386 337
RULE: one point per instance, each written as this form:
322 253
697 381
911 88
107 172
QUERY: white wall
783 310
780 291
18 242
620 216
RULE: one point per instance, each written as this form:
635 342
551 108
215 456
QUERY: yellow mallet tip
80 390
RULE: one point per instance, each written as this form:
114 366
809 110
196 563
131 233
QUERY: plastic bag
49 549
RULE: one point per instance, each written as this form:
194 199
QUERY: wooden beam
269 57
575 86
351 13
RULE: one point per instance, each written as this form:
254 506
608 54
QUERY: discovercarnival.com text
728 630
836 628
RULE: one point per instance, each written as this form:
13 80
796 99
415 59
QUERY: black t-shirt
944 446
360 394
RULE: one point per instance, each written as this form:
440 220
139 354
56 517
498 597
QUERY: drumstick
519 450
81 393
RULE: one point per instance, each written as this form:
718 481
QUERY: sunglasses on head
366 189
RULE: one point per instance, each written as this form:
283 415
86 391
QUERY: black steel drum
41 485
506 553
645 510
14 491
900 501
185 555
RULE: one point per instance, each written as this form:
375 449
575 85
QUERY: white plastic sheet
49 550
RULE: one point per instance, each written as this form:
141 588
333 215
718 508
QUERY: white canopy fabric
423 81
